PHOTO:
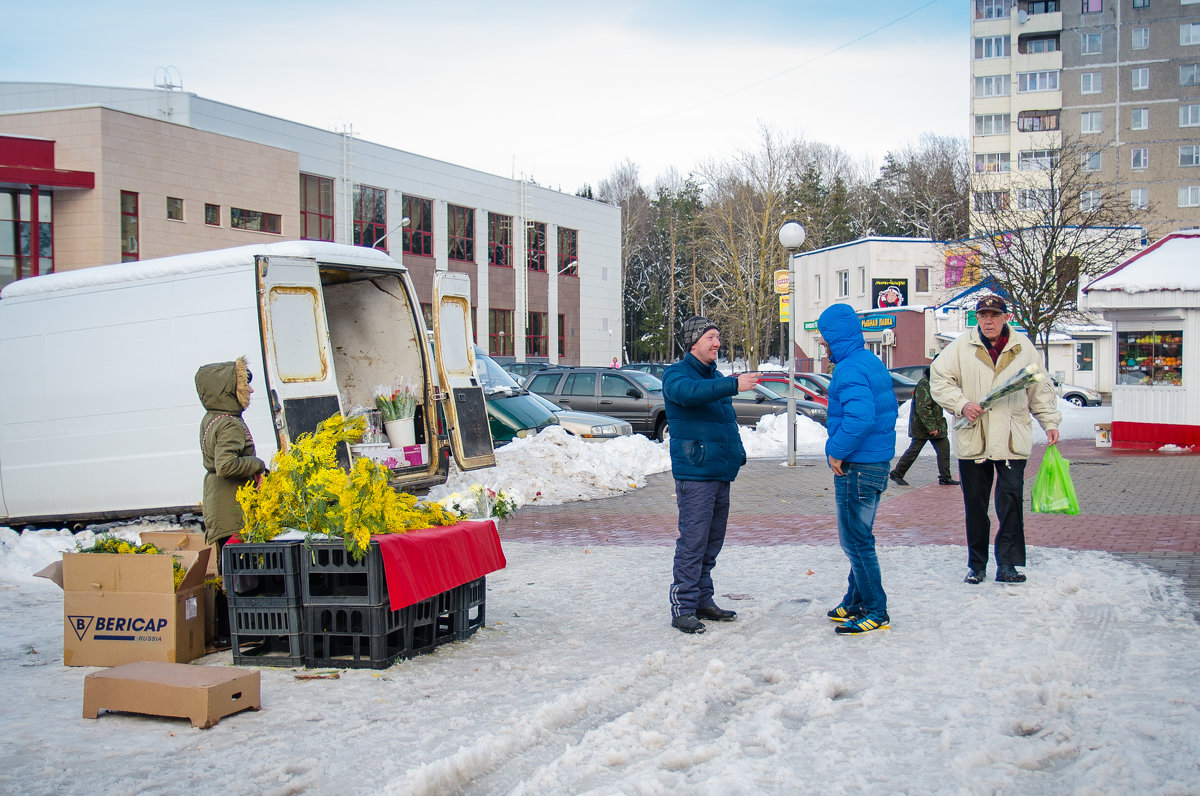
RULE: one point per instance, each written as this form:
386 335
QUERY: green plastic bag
1053 492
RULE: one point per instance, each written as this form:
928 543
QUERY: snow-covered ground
1082 680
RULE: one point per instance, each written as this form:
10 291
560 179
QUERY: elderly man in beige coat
996 443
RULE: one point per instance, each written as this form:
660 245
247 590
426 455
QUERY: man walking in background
861 444
926 423
706 454
995 443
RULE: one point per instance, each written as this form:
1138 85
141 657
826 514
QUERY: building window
1083 357
1189 196
255 221
427 313
129 226
1037 81
1043 43
1141 3
1090 83
1140 40
992 47
500 332
212 215
1035 198
992 124
1037 159
991 201
1139 119
1091 161
1189 75
1189 155
1139 198
562 335
460 223
1090 44
1091 122
991 162
922 281
568 251
316 207
1037 121
1089 201
19 256
500 240
862 281
535 243
1189 33
992 9
843 283
1140 78
174 209
1092 6
535 335
1139 158
1150 357
418 235
1189 115
370 217
993 86
816 288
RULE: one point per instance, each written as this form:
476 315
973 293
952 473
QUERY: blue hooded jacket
862 406
705 443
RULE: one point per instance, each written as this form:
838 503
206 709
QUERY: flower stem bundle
1023 378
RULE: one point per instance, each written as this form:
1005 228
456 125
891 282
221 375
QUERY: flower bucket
400 432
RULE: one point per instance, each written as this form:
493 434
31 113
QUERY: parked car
777 381
750 405
653 368
815 381
914 372
585 425
902 387
512 412
1080 396
630 395
519 370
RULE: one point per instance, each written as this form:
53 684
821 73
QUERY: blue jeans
703 515
857 495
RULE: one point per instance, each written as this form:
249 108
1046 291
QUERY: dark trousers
940 444
977 478
703 515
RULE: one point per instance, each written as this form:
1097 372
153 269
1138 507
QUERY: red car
777 381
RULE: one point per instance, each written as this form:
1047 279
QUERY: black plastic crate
329 575
266 632
266 569
432 622
357 637
468 608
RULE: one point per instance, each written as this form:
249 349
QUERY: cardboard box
204 694
179 541
123 608
1103 435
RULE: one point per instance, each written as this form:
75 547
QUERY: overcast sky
559 91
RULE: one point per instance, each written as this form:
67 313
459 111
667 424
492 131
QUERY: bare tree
1057 225
623 189
923 190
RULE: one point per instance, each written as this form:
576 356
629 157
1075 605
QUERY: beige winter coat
225 445
963 373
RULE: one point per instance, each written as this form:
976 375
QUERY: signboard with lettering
873 323
785 308
782 281
887 293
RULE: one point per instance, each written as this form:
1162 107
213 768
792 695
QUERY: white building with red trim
1153 300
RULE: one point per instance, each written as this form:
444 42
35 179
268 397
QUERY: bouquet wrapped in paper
397 403
1030 374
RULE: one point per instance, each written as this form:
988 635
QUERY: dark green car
512 412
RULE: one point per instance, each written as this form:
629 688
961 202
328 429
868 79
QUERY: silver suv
629 395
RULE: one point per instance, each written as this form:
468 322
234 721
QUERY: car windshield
650 382
553 407
494 379
777 389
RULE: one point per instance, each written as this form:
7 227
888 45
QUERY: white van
99 417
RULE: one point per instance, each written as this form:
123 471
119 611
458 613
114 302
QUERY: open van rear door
465 411
301 384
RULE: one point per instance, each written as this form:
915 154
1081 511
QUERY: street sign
782 282
810 326
785 308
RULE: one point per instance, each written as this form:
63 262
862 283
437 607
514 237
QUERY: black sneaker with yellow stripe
862 624
843 613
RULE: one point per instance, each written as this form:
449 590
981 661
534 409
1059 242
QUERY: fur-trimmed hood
224 386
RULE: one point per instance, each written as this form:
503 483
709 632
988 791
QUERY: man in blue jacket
706 454
861 444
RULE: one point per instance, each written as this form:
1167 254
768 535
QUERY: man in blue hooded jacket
706 454
861 444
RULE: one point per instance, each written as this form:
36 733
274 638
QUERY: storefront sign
782 281
785 305
888 293
873 323
810 326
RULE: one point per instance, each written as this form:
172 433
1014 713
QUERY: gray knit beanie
693 329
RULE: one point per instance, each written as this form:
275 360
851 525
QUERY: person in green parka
226 446
926 423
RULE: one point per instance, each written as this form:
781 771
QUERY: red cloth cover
420 564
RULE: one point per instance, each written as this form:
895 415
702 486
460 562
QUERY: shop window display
1150 358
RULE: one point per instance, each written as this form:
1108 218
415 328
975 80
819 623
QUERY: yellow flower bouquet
111 544
308 491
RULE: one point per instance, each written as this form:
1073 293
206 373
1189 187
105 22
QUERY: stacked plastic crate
266 621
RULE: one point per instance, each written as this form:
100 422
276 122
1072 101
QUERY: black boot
716 614
1007 573
688 623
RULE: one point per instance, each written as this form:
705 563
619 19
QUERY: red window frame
316 207
568 251
535 335
500 240
562 336
129 227
460 231
418 235
255 221
500 333
535 242
370 217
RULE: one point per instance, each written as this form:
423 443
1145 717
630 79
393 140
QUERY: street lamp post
791 236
